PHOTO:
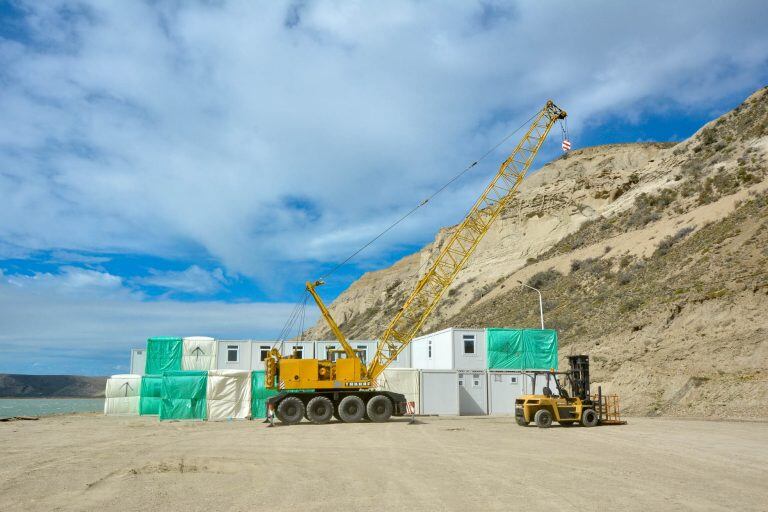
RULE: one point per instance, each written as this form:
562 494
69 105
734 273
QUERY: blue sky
183 167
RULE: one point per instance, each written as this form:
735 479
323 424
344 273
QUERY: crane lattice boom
462 243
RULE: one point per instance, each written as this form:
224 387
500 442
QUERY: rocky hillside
51 386
653 258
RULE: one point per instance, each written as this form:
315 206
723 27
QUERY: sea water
48 406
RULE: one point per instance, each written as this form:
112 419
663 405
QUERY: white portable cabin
439 392
403 359
259 351
138 361
305 348
322 348
504 387
450 349
233 355
473 392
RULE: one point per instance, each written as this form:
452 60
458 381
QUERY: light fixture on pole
541 302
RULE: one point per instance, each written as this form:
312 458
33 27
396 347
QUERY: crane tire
379 409
319 410
543 418
351 409
290 410
589 418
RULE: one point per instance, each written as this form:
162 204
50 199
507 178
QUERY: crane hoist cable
429 198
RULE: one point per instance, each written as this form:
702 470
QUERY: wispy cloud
192 280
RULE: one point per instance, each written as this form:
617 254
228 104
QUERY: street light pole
541 302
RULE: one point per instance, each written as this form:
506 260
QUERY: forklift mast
580 376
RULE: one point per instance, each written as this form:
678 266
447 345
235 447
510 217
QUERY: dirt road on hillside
91 462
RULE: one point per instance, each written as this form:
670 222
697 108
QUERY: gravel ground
91 462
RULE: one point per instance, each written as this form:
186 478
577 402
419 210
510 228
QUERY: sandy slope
91 462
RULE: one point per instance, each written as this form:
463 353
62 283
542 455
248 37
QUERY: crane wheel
290 410
319 410
379 409
543 418
589 418
351 409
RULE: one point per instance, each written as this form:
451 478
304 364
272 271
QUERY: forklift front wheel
543 418
589 418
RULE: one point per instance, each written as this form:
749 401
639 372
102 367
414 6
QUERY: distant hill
652 258
51 386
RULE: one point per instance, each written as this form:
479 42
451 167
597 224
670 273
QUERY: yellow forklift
567 408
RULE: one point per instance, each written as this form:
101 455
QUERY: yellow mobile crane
342 386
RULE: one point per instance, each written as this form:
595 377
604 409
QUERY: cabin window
264 351
429 349
469 343
513 380
476 381
299 351
364 355
233 353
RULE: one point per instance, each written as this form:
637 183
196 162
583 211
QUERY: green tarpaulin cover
259 395
151 392
163 355
522 349
183 395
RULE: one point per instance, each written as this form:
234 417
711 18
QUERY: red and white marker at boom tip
566 145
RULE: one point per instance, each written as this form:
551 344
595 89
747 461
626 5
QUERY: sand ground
92 462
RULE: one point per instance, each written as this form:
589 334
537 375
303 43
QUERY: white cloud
192 280
81 322
162 128
70 281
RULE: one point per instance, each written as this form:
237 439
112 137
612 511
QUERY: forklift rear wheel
290 410
319 410
351 409
543 418
379 409
589 418
521 421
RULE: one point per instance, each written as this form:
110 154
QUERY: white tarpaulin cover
122 395
228 395
401 380
198 353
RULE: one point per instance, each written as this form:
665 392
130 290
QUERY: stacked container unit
512 356
234 355
462 351
138 361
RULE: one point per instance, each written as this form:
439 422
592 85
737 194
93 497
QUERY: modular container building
450 349
504 387
367 346
439 392
473 392
259 351
138 361
306 349
233 355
